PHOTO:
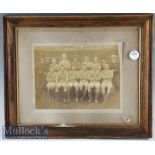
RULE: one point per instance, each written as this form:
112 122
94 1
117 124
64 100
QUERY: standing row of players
88 78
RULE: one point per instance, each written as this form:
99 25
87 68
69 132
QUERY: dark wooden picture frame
145 21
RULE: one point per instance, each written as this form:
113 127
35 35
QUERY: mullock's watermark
25 132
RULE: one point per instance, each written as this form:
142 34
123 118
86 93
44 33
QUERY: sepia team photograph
77 77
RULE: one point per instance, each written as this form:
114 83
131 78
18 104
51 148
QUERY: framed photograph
80 75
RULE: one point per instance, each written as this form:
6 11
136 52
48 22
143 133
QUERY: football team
86 81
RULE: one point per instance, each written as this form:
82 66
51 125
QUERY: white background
75 147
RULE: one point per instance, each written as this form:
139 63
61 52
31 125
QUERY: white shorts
62 84
73 84
95 84
50 85
106 84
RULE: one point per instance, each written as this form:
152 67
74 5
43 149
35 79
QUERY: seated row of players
84 78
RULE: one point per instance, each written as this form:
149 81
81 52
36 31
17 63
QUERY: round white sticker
134 55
